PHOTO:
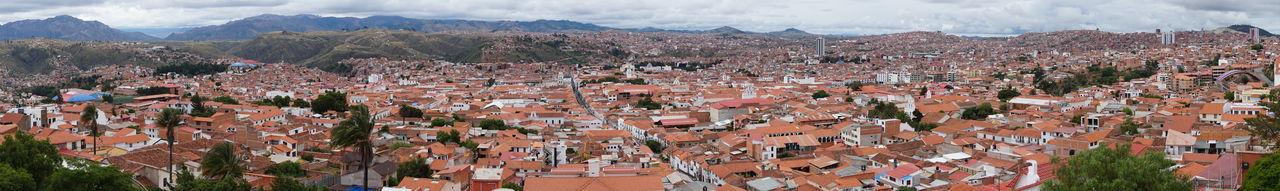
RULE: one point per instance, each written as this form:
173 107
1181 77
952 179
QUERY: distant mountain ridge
1245 29
66 27
247 28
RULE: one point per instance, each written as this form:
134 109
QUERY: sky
815 16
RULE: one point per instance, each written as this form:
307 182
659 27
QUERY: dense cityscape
543 106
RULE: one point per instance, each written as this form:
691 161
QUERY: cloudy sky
816 16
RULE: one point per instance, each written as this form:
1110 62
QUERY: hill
790 32
249 27
43 55
1245 29
67 28
324 49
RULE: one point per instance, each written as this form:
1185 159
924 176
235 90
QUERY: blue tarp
242 64
85 97
356 188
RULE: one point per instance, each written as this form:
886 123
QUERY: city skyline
822 17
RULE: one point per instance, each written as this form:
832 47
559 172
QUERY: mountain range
249 27
67 28
253 26
70 28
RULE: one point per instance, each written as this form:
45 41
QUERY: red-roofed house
903 175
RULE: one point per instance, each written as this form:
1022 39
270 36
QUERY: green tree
470 145
1007 94
820 94
1128 127
492 124
649 104
457 118
91 176
88 120
15 179
399 144
23 152
416 167
354 132
168 119
278 101
188 182
918 126
438 122
1264 174
448 137
526 131
330 101
655 146
152 91
222 161
1266 127
302 103
905 188
1105 168
410 112
1256 47
1229 96
197 107
287 169
978 113
886 110
281 101
636 81
854 86
226 100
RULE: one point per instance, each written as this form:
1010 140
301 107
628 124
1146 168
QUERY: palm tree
89 118
221 162
168 119
355 132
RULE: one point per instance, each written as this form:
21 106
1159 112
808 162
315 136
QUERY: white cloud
818 16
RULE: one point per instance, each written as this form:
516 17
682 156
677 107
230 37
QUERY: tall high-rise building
821 48
1167 38
1255 35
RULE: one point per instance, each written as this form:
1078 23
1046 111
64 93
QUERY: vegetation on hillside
1093 75
1106 168
325 49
